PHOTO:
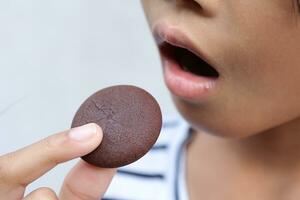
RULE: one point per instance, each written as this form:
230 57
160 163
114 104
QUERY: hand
84 181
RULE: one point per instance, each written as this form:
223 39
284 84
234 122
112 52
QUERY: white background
54 54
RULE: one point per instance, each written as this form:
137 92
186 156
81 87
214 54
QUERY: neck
277 147
269 158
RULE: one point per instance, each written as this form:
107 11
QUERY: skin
247 141
84 182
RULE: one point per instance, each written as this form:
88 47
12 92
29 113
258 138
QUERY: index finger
27 164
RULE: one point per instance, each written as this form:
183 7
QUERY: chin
203 118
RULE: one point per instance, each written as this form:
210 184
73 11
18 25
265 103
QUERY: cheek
261 87
268 83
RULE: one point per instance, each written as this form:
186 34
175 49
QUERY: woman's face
254 45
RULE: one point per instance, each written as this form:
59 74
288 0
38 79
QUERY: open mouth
187 72
189 62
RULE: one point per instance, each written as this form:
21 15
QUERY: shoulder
151 177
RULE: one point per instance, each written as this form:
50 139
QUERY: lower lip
184 84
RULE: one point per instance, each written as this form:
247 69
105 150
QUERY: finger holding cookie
20 168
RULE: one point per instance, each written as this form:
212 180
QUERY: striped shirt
160 173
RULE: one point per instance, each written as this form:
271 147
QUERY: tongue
193 64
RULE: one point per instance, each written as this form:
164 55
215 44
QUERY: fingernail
83 132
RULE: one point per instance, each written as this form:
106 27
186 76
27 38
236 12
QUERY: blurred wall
54 54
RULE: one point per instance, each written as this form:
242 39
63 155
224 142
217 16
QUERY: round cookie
131 122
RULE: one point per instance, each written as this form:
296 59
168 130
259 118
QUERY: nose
188 2
203 7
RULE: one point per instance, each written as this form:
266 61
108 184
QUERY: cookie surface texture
131 122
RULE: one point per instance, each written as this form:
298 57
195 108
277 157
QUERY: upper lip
164 32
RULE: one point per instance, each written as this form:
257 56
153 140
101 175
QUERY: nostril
192 4
196 4
189 4
200 7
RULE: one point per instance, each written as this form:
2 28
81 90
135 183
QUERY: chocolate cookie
131 122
